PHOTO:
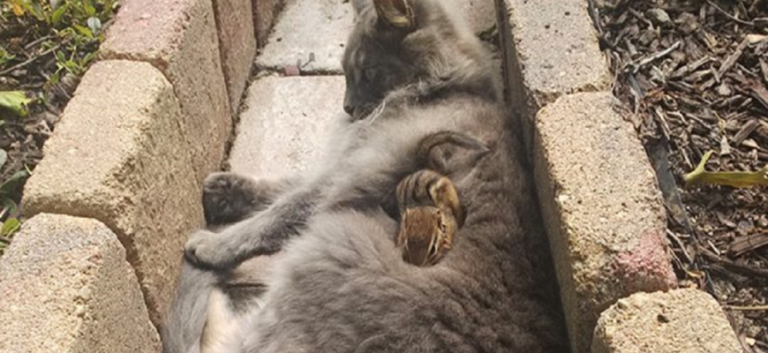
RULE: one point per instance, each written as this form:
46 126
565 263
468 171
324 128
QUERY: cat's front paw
209 250
228 198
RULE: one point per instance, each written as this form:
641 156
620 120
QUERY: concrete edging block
602 208
66 287
551 49
685 320
180 38
265 13
237 44
118 156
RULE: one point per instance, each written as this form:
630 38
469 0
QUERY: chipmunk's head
425 235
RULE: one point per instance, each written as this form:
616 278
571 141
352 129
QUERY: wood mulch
695 75
45 48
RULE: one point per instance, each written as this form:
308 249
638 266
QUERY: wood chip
745 131
760 93
731 60
743 245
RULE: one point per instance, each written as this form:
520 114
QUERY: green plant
5 56
14 101
10 210
74 25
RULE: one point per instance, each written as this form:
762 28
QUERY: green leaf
55 78
89 9
9 185
89 57
10 226
34 8
733 179
83 30
15 101
60 56
58 13
5 56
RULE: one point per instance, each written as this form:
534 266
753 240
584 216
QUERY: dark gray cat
413 74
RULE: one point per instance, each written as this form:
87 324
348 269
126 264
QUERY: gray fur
342 286
186 320
436 61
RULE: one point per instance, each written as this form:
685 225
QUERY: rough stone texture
479 14
286 124
306 28
237 45
65 287
601 206
264 13
551 49
117 156
680 321
179 38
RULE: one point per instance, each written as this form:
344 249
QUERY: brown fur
430 214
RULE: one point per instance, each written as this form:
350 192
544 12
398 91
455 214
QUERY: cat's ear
396 13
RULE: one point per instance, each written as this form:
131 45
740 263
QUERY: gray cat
413 74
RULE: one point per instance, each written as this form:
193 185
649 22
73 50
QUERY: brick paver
286 125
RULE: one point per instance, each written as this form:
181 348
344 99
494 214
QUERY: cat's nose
350 109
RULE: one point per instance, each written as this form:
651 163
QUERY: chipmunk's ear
451 152
396 13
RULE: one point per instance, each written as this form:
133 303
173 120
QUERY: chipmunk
430 215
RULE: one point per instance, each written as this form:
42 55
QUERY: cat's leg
267 231
451 153
229 197
262 234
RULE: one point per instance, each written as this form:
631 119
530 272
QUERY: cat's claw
206 249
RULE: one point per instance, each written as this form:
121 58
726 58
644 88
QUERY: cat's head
399 42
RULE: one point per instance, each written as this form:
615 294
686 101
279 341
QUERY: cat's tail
184 325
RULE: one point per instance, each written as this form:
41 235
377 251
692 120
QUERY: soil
33 47
694 75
